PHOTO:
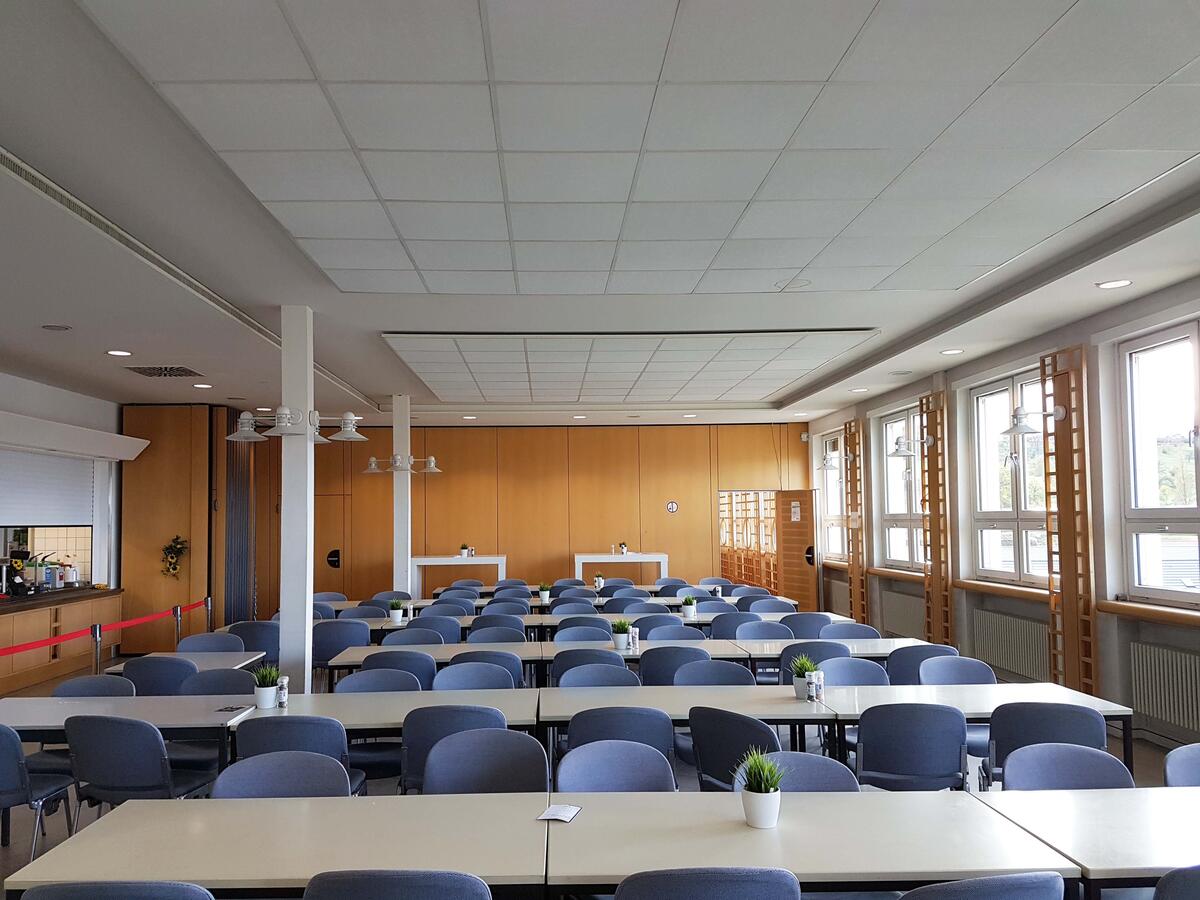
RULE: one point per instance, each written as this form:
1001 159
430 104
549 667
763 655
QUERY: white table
352 657
1119 838
836 841
233 659
659 558
384 713
418 562
772 704
862 648
717 649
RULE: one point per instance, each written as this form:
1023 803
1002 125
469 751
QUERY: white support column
401 496
296 504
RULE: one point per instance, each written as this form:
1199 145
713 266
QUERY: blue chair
468 593
393 885
710 884
772 605
609 589
1032 886
262 636
362 611
329 597
569 582
331 638
585 621
912 747
447 626
383 604
658 665
955 669
691 590
661 582
598 675
606 766
95 686
904 663
1063 767
512 582
425 726
1178 884
619 582
450 607
817 651
712 672
467 583
506 608
621 723
389 596
746 590
219 682
421 665
497 620
632 592
316 734
502 658
513 594
572 609
211 642
807 625
1016 725
1181 768
486 761
848 631
646 606
412 636
647 623
578 593
158 676
18 787
323 611
118 890
713 581
619 604
721 739
285 773
674 633
807 772
497 636
473 676
763 631
672 590
581 633
725 626
715 606
370 681
565 660
848 671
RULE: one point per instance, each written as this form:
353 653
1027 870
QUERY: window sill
897 574
837 564
1148 612
1000 589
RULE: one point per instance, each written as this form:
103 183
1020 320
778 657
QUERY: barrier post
177 613
96 651
208 620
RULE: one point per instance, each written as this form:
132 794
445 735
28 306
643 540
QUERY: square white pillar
401 495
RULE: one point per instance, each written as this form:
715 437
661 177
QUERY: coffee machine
15 577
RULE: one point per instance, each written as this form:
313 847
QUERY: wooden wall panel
750 457
604 485
329 466
674 465
267 464
799 468
417 439
329 533
797 571
461 508
533 517
370 519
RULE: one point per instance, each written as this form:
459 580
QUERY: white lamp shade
1018 426
245 430
348 430
431 467
372 467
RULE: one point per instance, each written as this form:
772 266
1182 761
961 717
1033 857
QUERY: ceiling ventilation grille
164 371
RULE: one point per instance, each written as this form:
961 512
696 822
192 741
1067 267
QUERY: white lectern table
660 558
414 568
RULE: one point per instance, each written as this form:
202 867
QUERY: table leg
1127 742
223 751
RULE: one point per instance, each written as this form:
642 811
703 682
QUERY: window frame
831 445
913 519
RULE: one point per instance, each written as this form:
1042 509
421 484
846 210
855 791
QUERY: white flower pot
762 810
599 582
801 688
689 612
397 616
464 552
621 642
266 697
544 596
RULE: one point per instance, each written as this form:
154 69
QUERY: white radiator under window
1012 643
1166 684
902 614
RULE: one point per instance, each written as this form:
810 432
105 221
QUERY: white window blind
44 489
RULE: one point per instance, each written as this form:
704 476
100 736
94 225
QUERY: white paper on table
559 812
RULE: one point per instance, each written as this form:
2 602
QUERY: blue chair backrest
924 741
713 580
647 623
113 753
1063 767
219 682
502 658
513 582
390 885
486 761
507 608
513 593
466 583
569 582
763 631
725 626
609 589
494 635
715 606
461 606
572 609
329 597
848 631
323 610
660 582
459 594
807 772
421 665
746 590
904 663
565 660
673 589
380 603
581 633
710 884
316 734
817 651
1178 884
447 626
587 621
498 620
211 642
119 890
622 723
425 726
772 605
362 612
472 676
646 606
284 773
606 766
95 686
691 590
1181 768
657 666
848 671
578 593
626 591
721 740
619 582
955 670
158 676
412 635
370 681
1027 886
1016 725
598 675
331 638
807 625
713 671
388 596
674 633
618 604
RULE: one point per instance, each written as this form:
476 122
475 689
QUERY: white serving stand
414 567
660 558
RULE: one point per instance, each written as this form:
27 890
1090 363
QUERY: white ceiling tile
757 342
448 378
1036 116
470 282
451 221
180 40
566 221
584 40
887 115
848 252
333 220
433 368
675 344
275 116
1029 214
608 357
558 177
762 40
668 255
686 356
725 368
625 344
1101 173
481 255
1100 41
483 356
659 282
1189 74
946 40
932 278
791 365
733 281
727 116
680 221
572 356
830 341
417 116
564 256
797 218
834 174
519 369
773 253
447 354
674 366
550 371
435 176
541 344
860 278
573 116
562 282
911 217
357 254
1167 118
405 345
968 246
473 345
381 40
965 173
729 175
301 174
368 281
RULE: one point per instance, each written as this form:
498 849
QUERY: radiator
837 597
1012 643
902 614
1166 684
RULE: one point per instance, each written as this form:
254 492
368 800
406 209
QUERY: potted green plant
621 634
807 680
688 605
761 778
464 550
266 686
598 580
544 592
396 608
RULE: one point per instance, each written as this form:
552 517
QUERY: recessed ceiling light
578 417
900 373
56 327
1109 285
859 390
262 409
953 352
202 386
235 398
798 414
470 418
633 417
119 353
689 415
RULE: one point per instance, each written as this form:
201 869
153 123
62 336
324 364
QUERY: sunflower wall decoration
172 556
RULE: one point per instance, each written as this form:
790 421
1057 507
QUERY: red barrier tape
87 632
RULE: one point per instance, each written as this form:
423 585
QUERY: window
832 472
900 516
1009 520
1161 518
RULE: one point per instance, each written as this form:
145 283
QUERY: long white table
352 657
234 659
862 648
617 558
773 704
417 563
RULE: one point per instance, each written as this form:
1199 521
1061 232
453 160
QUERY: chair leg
78 812
5 823
66 805
37 831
